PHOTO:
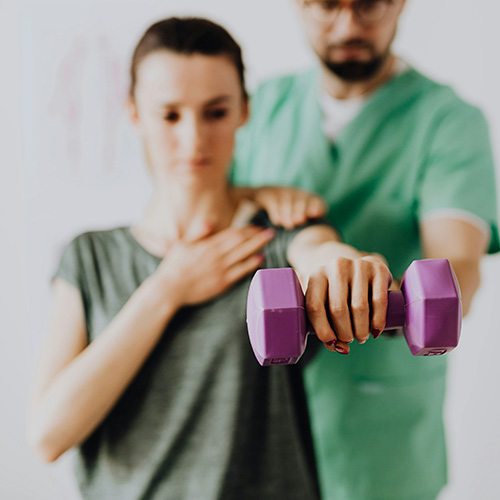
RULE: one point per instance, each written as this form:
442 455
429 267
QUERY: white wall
70 161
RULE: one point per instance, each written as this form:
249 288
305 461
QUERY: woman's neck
177 214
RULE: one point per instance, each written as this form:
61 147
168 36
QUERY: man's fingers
286 206
274 211
299 210
316 207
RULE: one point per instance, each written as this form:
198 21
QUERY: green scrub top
415 148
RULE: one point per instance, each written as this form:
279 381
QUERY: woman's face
187 109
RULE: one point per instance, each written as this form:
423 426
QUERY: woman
146 366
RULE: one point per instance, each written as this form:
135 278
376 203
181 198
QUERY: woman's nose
192 134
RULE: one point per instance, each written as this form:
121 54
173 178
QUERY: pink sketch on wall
67 99
86 104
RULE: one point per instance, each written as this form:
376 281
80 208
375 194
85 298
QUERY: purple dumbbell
428 308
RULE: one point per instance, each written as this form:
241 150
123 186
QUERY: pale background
70 162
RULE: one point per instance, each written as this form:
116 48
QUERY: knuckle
316 276
344 337
341 265
314 307
339 311
360 306
361 264
380 302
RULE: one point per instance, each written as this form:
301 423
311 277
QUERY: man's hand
286 206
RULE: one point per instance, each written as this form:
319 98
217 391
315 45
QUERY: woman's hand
202 269
347 299
286 206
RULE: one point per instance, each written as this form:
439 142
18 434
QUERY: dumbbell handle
395 316
396 310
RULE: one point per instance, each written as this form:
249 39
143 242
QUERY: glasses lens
325 10
369 11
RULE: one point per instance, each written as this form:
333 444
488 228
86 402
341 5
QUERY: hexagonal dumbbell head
433 307
276 317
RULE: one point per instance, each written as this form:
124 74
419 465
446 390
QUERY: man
406 169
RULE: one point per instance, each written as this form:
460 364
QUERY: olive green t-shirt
202 420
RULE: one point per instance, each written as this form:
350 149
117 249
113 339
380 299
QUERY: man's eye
216 114
369 5
329 5
171 116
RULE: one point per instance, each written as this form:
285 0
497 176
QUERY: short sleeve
459 170
69 268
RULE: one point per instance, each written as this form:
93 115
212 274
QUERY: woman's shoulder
90 245
90 238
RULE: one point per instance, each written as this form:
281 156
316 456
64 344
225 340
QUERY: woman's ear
132 110
245 111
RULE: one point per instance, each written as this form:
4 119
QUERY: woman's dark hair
188 35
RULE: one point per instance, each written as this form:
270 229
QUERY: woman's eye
216 114
171 116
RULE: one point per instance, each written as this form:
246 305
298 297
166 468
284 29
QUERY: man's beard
356 71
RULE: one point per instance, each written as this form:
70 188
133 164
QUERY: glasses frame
331 18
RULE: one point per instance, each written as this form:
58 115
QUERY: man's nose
346 25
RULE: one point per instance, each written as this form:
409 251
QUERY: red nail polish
341 350
331 342
376 333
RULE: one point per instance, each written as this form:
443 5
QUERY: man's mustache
353 43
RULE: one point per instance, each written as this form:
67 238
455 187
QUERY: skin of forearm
315 247
85 391
309 262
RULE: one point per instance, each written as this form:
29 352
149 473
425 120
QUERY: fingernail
362 341
261 256
376 333
340 350
331 342
270 232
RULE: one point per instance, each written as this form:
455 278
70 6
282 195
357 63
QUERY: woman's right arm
78 384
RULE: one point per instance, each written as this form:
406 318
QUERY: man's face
352 38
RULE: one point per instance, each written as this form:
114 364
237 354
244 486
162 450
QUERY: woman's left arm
346 290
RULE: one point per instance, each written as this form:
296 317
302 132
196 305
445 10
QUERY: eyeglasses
365 11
